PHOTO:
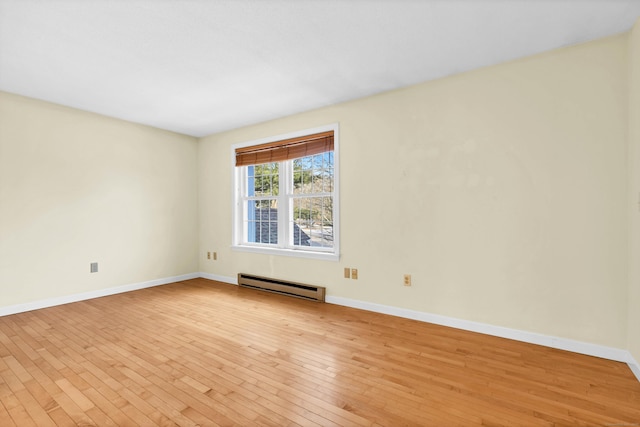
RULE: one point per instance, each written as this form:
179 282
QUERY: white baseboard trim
51 302
634 366
217 278
589 349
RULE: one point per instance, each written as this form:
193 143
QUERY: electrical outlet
354 273
94 267
347 273
407 280
208 255
215 256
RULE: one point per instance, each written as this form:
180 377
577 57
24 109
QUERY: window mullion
283 202
241 214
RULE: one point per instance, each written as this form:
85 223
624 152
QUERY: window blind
287 149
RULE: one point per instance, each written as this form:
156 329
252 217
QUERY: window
286 198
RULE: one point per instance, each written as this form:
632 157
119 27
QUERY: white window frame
283 247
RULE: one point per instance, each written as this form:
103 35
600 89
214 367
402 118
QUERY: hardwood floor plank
37 412
17 411
5 417
118 417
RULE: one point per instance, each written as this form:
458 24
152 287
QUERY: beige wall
634 192
503 191
77 188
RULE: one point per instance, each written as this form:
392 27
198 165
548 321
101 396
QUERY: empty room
319 213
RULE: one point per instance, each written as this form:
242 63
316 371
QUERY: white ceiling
198 67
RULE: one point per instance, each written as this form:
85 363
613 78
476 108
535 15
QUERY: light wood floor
205 353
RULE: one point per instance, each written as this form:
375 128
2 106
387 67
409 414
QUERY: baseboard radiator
299 290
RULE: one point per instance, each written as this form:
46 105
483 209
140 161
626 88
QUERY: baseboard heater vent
299 290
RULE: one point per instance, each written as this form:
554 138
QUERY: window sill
326 256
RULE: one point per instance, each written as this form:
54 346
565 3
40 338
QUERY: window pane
327 182
312 223
262 221
317 161
313 174
301 222
266 179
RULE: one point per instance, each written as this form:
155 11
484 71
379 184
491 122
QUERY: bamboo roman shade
286 149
